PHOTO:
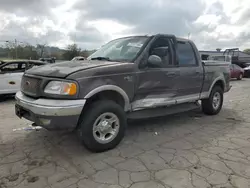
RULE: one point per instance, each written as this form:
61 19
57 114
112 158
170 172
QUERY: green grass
9 59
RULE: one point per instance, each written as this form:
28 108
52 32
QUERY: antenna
74 40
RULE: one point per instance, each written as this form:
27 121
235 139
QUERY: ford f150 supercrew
128 78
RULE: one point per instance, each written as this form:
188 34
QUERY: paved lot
185 150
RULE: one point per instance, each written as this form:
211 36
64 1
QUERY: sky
210 24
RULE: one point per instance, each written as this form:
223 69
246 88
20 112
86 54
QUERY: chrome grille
30 85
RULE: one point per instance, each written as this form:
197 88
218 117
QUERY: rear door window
185 54
13 67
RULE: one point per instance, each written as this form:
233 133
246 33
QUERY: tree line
73 50
247 51
12 51
27 51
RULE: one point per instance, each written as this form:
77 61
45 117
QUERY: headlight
246 68
61 88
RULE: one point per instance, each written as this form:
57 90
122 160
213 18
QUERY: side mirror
154 61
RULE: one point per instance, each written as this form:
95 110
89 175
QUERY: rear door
155 86
10 76
191 72
232 71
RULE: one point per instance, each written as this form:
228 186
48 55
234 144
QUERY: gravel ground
184 150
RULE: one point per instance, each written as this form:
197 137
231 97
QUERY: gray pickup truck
128 78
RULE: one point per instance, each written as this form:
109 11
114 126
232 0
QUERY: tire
240 76
102 109
208 106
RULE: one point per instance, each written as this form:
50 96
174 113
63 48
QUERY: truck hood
63 69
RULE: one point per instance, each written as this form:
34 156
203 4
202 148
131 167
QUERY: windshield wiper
101 58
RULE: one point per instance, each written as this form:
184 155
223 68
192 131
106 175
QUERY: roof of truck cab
177 38
182 39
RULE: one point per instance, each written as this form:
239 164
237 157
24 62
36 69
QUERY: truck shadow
184 131
6 98
152 132
184 124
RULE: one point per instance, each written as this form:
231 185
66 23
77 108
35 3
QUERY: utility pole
74 40
16 47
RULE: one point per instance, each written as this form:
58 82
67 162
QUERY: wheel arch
220 81
114 91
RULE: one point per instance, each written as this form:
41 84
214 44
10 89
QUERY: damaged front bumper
50 114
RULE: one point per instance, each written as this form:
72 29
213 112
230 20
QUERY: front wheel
103 126
213 104
240 76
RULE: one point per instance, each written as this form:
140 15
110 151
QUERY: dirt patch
2 185
32 179
234 119
12 178
35 163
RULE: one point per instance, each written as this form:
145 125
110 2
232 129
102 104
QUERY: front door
155 86
10 76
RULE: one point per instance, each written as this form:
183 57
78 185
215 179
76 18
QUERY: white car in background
78 58
11 74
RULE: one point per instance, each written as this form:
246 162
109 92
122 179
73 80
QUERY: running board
162 111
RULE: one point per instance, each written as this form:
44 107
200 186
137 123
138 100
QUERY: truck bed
214 70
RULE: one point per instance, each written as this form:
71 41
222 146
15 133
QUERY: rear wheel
213 104
240 76
103 126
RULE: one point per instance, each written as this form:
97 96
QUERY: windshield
123 49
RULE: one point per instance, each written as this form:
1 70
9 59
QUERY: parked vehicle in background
239 58
128 78
247 71
226 58
11 74
236 72
78 58
48 60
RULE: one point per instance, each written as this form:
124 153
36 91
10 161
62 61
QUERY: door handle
171 74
